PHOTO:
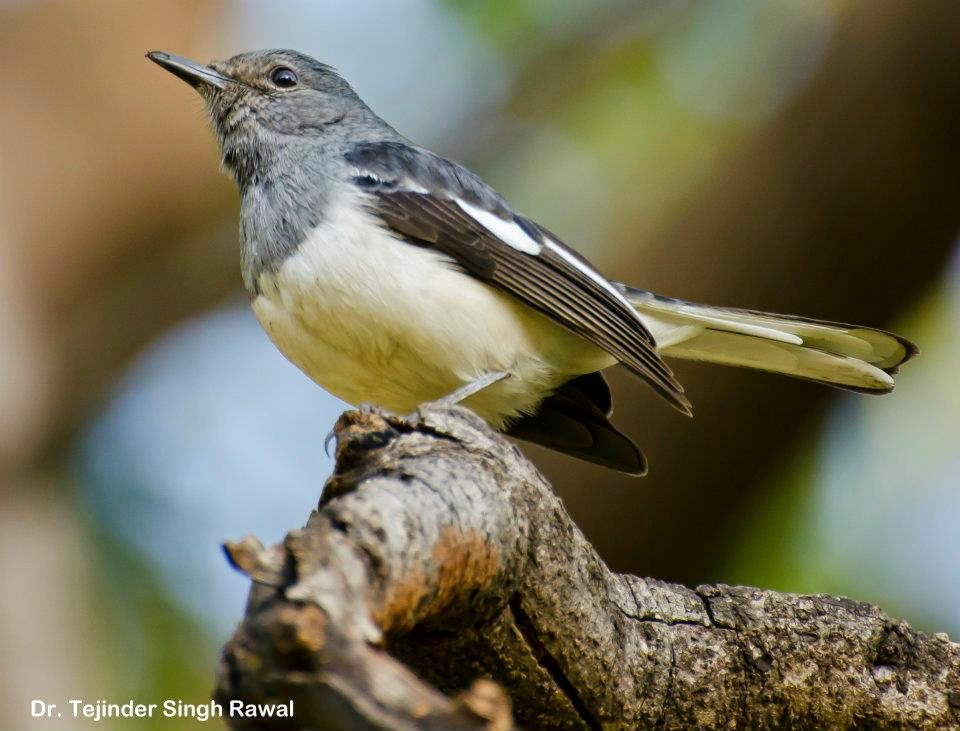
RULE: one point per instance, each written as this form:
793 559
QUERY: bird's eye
283 77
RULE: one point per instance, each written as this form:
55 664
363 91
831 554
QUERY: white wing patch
592 273
513 235
508 232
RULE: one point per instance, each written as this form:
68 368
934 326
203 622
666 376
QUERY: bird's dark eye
283 77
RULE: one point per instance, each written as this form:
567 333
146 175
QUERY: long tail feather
844 356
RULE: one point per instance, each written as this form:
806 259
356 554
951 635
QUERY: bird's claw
366 408
331 437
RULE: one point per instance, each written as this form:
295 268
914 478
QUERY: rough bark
438 556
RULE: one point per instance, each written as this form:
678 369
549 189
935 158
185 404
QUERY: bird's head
262 101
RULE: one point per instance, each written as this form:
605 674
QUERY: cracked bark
439 556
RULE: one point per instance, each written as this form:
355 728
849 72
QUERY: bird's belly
375 319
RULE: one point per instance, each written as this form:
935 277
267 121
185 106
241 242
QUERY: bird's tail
845 356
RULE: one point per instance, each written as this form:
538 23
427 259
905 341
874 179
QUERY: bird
393 277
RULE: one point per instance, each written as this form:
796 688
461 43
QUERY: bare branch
439 555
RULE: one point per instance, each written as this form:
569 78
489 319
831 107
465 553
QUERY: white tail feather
840 355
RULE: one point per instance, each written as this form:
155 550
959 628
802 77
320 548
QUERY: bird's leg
451 399
469 389
461 394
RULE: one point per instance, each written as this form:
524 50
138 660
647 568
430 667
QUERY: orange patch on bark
402 600
465 561
462 562
298 632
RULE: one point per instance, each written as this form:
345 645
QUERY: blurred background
798 156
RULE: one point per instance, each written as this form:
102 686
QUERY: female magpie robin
392 275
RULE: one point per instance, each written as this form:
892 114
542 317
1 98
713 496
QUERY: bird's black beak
192 72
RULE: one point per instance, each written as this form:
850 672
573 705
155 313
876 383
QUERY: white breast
375 319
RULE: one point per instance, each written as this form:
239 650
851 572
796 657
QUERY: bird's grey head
264 102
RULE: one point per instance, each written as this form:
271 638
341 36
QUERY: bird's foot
366 408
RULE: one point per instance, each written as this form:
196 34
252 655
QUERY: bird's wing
434 202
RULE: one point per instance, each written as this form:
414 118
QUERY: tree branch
438 555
